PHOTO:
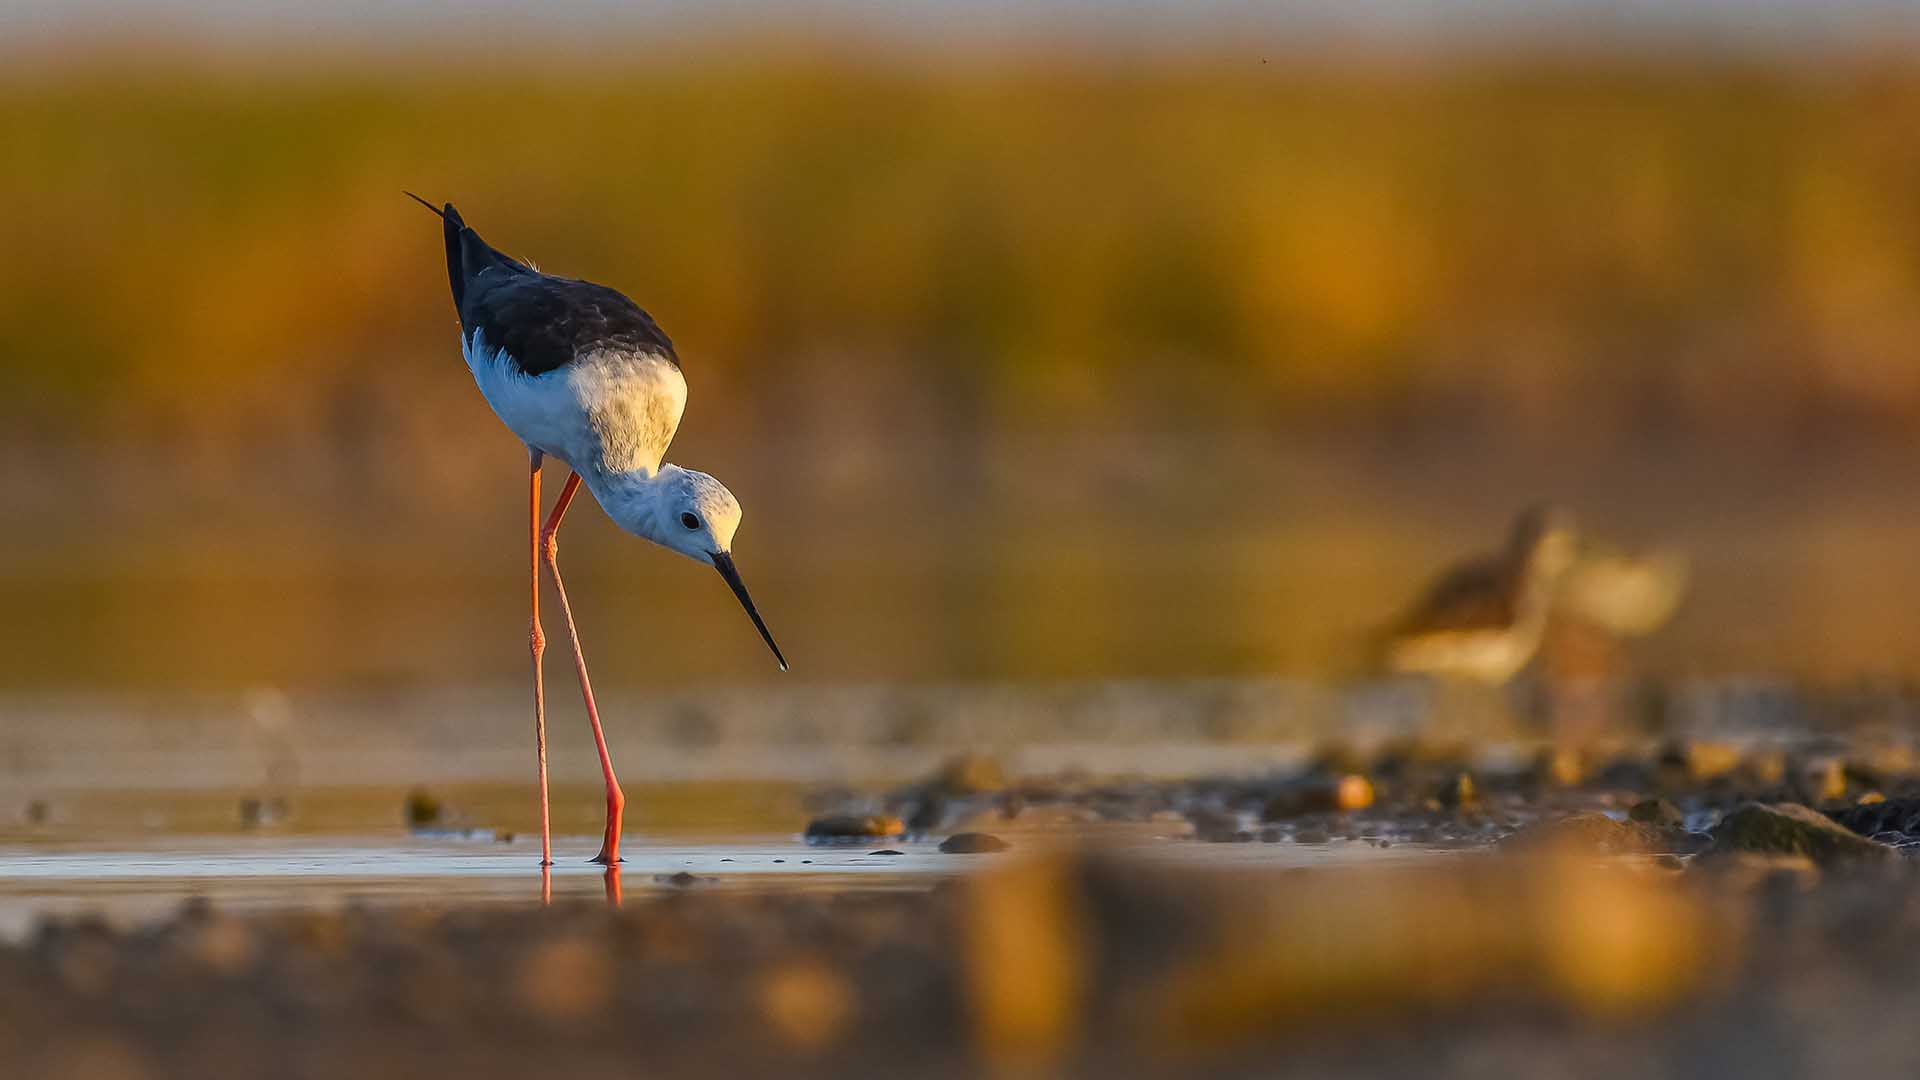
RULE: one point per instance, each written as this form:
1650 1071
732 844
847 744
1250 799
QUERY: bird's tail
455 226
434 209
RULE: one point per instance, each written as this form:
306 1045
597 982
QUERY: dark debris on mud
1660 798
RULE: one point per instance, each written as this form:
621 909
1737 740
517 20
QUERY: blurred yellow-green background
1054 343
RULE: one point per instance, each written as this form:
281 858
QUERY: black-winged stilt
1483 618
580 373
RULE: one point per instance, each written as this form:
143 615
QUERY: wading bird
1482 620
578 372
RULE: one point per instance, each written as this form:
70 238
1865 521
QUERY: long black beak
723 562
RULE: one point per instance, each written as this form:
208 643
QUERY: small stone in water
972 843
886 851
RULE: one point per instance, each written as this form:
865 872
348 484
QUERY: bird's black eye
689 521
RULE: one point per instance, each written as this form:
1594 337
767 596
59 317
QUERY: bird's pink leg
537 642
616 801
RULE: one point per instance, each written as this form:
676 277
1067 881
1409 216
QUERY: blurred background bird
1482 619
1625 594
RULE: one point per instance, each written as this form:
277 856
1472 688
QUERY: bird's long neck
1532 587
637 500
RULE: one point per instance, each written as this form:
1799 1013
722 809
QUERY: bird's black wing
1471 596
543 322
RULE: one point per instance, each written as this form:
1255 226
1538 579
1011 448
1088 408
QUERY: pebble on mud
1792 829
1882 815
972 843
1353 792
855 827
1592 833
1349 792
1657 812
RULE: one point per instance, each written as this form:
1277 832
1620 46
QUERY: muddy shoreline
1673 908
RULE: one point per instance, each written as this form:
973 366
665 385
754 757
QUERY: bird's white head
695 514
692 513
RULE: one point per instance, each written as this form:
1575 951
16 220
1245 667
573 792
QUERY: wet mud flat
1069 961
1413 907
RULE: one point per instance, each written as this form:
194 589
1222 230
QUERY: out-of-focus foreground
1056 966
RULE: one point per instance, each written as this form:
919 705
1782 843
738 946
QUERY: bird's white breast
613 411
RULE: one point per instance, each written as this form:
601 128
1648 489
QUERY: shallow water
269 800
130 883
136 882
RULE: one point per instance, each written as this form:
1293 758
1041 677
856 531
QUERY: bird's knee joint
616 801
549 545
537 641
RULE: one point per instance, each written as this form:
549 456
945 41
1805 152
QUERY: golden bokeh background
1085 353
